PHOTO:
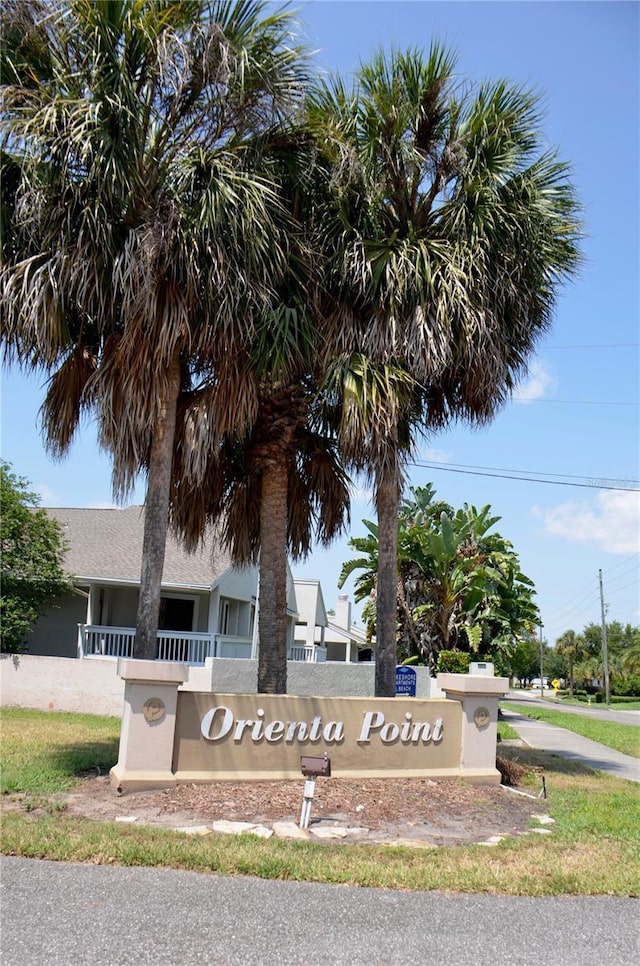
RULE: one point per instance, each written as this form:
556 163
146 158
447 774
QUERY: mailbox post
312 768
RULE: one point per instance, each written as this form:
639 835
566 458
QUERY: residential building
208 606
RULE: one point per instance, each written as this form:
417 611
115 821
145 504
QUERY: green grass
621 737
594 847
614 706
506 732
43 752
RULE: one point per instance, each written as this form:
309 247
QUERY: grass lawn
506 732
42 752
594 847
614 706
622 737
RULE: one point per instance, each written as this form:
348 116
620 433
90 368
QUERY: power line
593 345
574 603
565 476
621 563
576 402
625 573
524 479
616 590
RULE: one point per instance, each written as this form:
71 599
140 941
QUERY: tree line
259 281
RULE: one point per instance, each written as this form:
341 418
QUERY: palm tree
457 230
271 491
276 481
572 647
372 407
142 232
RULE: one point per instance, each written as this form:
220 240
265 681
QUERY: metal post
605 653
541 665
309 789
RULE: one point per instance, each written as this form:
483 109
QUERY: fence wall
92 685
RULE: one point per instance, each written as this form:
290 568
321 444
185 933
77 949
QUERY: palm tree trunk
387 500
272 614
571 676
156 518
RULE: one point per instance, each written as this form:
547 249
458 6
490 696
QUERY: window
223 620
176 614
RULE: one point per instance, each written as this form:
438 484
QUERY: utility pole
605 654
541 665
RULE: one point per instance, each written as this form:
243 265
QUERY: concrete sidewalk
559 741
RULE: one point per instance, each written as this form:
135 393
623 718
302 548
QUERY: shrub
453 662
629 686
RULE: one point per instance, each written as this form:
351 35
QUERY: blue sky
576 421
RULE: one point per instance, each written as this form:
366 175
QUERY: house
208 606
334 634
344 641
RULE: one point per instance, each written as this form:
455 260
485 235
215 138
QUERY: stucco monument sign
170 736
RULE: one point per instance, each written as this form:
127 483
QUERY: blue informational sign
406 681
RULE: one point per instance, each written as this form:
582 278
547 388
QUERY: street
60 914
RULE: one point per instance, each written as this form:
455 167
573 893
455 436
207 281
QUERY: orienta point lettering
220 723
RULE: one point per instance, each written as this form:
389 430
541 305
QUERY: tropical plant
140 233
623 646
459 587
571 646
31 553
457 229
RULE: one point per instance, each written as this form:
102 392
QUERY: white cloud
611 521
48 497
360 493
436 456
538 384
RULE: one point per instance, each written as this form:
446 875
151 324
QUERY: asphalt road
586 711
59 914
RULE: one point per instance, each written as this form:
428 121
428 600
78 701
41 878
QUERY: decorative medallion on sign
154 710
482 717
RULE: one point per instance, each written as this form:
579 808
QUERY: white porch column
93 604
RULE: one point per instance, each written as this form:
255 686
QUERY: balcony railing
311 653
185 647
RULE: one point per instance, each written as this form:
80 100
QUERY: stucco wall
61 684
56 632
92 685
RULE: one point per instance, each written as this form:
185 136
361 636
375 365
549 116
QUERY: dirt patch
372 810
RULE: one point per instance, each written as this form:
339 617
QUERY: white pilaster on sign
148 723
478 694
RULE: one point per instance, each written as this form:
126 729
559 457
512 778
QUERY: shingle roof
107 545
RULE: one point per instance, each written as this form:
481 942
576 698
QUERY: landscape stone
289 830
329 832
232 828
